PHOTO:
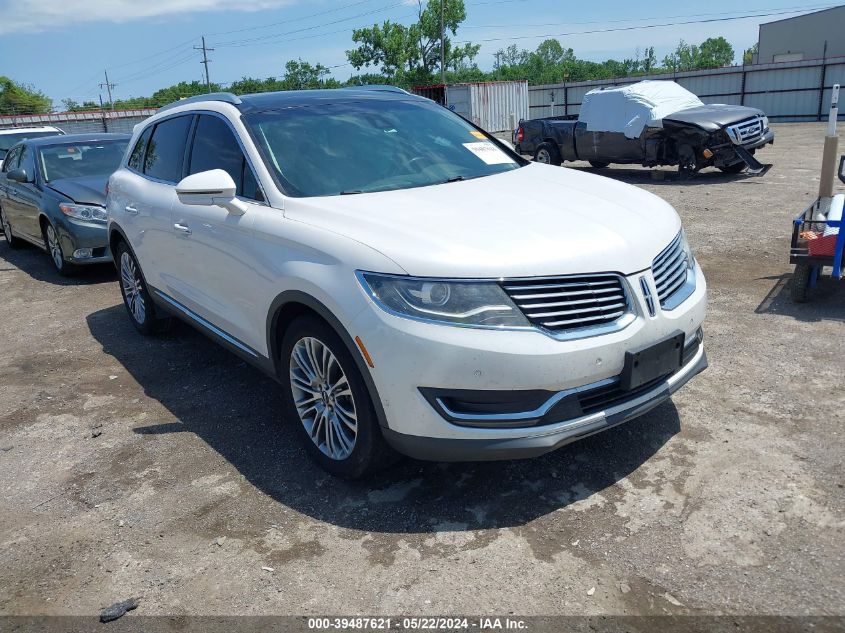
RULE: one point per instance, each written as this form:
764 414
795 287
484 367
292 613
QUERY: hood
533 221
714 116
83 190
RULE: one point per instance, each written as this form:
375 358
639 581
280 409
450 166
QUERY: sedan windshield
7 141
99 158
374 145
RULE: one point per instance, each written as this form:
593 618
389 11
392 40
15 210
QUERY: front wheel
548 154
325 396
599 164
136 297
800 287
54 248
11 240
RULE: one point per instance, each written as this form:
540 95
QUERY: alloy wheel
323 398
132 285
7 228
54 247
543 156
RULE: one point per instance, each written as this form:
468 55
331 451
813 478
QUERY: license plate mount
653 361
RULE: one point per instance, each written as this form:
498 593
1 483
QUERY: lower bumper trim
461 449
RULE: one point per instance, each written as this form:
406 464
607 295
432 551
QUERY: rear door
144 192
216 262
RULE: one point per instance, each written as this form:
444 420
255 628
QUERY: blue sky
63 46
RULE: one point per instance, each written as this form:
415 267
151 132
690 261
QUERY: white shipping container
493 106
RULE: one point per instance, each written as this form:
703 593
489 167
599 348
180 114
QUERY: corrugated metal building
811 36
82 122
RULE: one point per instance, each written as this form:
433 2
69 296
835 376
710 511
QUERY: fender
274 338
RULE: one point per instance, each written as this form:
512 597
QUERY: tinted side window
137 156
166 149
11 161
215 147
27 161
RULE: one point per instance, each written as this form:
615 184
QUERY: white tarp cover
629 109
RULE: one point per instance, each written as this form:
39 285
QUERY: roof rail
382 87
225 97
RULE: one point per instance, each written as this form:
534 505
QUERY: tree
649 60
73 106
749 53
412 53
19 98
715 52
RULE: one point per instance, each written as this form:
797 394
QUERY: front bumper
75 235
445 449
409 355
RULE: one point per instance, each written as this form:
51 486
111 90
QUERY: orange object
364 351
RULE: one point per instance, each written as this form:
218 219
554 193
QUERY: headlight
466 303
87 212
765 122
687 250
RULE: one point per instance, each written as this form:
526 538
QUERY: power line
299 19
628 28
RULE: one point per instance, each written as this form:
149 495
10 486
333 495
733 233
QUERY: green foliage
749 53
72 106
713 52
19 98
411 54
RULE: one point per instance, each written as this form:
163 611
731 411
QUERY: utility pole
442 47
205 61
108 86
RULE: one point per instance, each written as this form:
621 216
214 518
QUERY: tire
313 389
54 250
548 154
800 286
11 240
733 169
599 164
136 298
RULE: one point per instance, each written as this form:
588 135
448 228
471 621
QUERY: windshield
7 141
343 148
98 158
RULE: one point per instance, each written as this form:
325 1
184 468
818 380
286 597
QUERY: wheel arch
294 303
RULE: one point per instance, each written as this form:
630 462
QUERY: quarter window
136 159
11 161
166 149
215 147
27 161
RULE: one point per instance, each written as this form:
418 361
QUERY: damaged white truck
650 123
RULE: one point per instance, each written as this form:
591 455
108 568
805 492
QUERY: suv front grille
562 304
670 270
746 131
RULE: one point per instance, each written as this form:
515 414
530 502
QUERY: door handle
182 228
131 210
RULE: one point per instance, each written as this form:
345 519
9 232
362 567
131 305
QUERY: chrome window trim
580 333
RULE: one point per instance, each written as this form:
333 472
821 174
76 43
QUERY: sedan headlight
87 212
465 303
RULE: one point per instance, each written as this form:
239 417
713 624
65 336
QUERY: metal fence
788 91
82 122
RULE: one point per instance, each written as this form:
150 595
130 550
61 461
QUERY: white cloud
41 15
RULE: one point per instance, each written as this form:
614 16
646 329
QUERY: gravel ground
160 468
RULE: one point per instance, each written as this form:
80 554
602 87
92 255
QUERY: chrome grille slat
568 303
537 315
745 131
669 269
576 293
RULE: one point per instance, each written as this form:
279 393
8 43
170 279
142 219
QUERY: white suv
410 281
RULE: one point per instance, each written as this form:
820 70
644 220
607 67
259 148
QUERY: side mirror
18 175
214 187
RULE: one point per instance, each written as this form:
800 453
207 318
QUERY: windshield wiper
454 179
351 192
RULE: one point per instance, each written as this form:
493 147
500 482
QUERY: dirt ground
160 467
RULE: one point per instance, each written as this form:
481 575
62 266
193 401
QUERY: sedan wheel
55 248
323 398
132 286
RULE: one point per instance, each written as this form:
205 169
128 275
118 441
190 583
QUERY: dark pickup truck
638 126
